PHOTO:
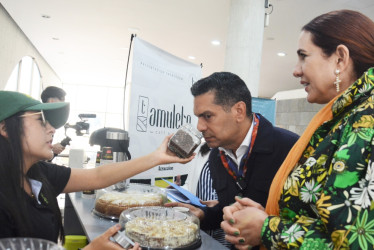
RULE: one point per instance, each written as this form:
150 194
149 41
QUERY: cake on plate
157 233
113 203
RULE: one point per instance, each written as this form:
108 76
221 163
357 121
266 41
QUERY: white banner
160 103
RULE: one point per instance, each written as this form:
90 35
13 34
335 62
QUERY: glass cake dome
22 243
159 228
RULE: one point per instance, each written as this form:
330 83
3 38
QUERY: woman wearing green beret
29 186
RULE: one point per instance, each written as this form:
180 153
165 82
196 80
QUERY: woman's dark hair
228 89
11 179
349 28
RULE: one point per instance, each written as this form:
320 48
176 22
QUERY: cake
156 233
113 203
184 142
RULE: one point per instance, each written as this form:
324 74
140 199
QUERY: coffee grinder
116 139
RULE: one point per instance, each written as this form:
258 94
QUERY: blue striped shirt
205 192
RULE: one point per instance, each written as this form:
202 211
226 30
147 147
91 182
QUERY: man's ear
240 110
3 129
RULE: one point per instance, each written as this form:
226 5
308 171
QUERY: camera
81 127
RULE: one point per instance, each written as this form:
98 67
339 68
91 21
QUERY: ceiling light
215 42
124 48
191 57
281 54
46 16
55 38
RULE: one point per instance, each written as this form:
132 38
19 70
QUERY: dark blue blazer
271 147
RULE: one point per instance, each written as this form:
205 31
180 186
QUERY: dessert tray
110 202
159 228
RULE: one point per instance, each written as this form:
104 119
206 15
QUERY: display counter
94 226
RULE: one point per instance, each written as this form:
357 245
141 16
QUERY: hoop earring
337 80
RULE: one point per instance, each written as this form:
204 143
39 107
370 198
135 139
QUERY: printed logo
159 118
141 121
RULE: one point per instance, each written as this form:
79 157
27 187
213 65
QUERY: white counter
93 225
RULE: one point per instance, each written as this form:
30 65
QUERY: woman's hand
249 203
246 230
103 241
240 204
163 155
243 223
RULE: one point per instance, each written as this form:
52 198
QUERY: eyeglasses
44 121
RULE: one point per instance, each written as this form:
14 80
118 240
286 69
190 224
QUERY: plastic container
160 228
74 242
28 244
184 142
110 202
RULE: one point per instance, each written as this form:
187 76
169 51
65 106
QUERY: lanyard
238 173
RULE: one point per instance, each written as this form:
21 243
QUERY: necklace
30 193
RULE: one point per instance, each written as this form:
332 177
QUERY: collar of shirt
242 148
36 186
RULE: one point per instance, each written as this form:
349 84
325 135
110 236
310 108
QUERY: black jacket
271 147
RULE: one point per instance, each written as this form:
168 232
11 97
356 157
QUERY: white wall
13 46
295 114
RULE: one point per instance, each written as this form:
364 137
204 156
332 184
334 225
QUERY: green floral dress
327 201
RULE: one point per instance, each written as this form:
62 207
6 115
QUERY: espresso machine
118 141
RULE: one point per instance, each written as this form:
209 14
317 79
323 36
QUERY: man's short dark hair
228 89
53 92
